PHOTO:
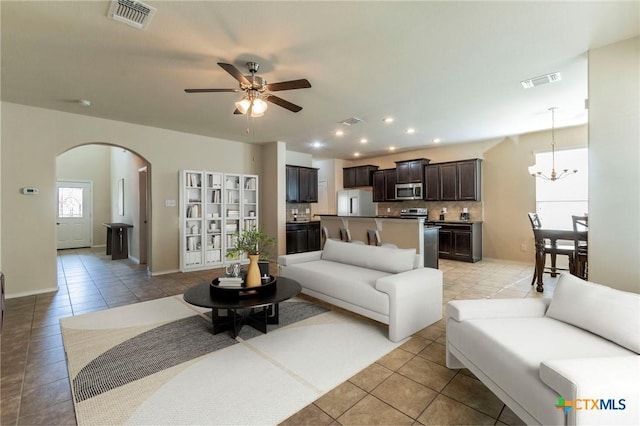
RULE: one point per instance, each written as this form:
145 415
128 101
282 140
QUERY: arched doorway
120 180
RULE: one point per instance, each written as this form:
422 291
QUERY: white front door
73 214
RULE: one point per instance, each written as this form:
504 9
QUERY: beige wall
508 191
272 190
614 172
91 163
28 224
125 165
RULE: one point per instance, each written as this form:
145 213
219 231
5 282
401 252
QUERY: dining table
543 235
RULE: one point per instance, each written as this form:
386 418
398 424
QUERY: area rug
158 362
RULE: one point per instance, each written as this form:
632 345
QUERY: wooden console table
117 244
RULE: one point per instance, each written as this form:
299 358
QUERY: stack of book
230 281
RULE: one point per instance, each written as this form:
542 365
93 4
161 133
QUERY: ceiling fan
257 90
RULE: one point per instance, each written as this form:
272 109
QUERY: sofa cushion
349 283
391 260
510 353
602 310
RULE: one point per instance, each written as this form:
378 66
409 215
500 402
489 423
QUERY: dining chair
544 247
580 227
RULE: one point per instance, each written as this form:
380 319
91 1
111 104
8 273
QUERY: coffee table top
200 295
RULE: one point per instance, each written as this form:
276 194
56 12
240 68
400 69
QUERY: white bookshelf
213 207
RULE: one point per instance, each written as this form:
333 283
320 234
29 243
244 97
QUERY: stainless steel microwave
408 191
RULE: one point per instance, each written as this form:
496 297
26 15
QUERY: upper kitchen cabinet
411 171
432 182
302 184
384 185
353 177
460 180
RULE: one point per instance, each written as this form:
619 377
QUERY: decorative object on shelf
553 176
256 244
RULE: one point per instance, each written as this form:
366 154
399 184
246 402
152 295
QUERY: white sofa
388 285
581 346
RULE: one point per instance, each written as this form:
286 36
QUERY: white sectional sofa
578 350
388 285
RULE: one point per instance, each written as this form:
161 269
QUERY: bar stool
373 237
345 235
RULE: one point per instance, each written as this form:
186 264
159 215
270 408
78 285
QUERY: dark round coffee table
256 311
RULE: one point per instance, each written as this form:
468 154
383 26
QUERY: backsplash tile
454 208
301 208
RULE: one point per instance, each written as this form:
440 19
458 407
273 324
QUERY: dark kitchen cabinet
303 237
292 184
460 241
448 181
431 182
469 175
384 185
453 181
410 171
354 177
302 184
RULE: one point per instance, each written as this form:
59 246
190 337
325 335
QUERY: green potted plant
257 244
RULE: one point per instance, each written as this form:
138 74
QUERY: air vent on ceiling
543 79
351 121
133 13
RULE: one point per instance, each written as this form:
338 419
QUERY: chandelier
253 104
553 176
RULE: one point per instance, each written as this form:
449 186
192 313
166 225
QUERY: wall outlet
307 211
169 203
523 247
388 209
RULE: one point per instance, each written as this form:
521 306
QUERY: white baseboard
171 271
29 293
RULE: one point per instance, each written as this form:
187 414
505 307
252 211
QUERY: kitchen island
404 232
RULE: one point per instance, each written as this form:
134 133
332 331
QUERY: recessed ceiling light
317 144
436 140
388 119
339 133
411 130
363 140
84 102
392 148
356 154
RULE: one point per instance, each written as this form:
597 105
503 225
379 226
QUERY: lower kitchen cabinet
460 241
302 237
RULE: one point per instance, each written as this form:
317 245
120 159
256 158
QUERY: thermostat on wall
30 191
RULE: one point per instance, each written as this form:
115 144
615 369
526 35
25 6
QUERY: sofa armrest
415 300
462 310
292 259
612 380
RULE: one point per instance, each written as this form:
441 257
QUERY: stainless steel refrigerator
356 202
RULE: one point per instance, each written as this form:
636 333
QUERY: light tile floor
411 385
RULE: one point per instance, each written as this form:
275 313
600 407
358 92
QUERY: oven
409 191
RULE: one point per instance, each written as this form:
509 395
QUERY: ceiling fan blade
284 104
210 90
235 73
289 85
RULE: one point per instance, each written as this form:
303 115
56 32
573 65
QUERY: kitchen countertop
403 217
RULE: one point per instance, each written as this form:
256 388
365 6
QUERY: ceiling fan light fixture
243 105
259 107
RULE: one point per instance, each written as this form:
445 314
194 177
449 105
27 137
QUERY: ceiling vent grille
543 79
133 13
